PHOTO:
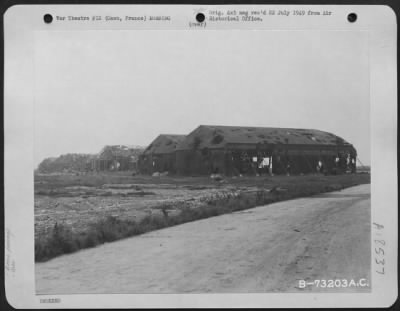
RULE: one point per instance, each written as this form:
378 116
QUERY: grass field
79 211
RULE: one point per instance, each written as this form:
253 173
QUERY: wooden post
270 166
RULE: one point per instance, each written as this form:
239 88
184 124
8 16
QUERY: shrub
59 241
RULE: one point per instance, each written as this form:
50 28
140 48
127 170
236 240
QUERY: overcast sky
95 88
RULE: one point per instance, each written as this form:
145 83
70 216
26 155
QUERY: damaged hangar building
160 155
234 150
116 158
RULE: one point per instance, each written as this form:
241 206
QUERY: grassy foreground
62 240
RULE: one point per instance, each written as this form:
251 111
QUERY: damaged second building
234 150
160 156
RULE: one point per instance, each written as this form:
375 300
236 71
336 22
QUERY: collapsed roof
121 151
214 137
164 144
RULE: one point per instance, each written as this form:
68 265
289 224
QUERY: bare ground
264 249
79 200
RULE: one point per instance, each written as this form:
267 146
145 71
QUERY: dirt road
265 249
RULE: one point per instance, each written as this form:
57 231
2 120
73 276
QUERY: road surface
264 249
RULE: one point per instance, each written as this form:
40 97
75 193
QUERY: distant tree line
65 162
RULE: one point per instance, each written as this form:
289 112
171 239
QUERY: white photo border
20 24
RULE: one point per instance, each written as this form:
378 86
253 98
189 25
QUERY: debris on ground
216 177
278 189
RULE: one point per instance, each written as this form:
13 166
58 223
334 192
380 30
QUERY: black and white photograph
227 155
